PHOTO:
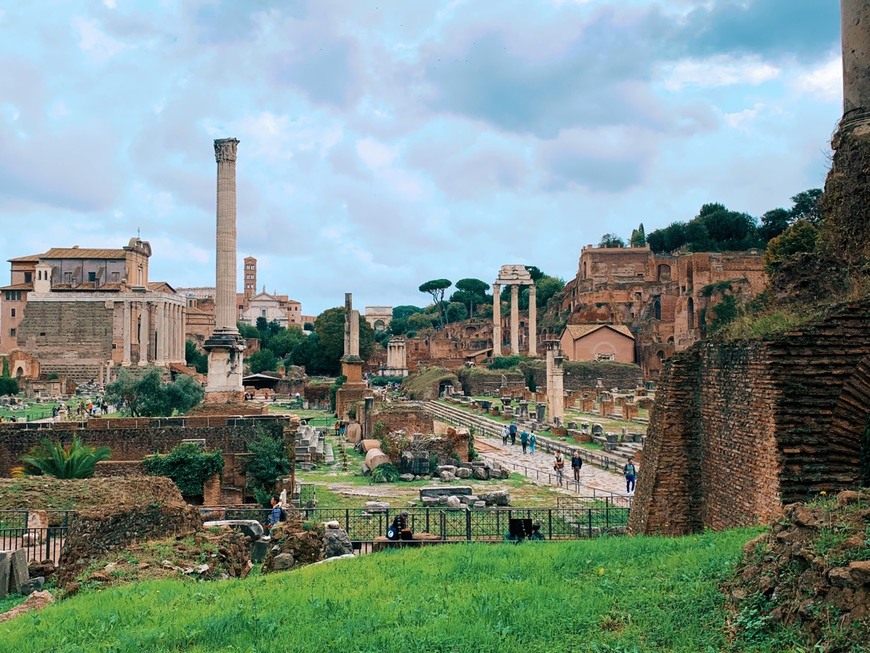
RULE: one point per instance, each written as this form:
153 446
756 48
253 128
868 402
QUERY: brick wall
739 430
135 438
410 419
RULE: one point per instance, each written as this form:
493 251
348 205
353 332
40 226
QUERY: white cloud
825 81
110 4
93 40
375 154
718 71
741 119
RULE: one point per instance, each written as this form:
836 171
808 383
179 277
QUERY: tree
247 331
187 465
638 236
420 321
471 292
456 312
285 341
8 386
329 328
76 460
195 358
262 361
611 241
546 288
805 206
436 288
797 239
148 396
773 223
268 462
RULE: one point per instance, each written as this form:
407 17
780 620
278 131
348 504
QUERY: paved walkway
538 467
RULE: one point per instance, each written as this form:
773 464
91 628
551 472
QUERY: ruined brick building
665 300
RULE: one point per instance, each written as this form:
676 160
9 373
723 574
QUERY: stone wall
738 430
135 438
410 419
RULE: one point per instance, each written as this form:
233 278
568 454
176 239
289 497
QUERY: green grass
619 594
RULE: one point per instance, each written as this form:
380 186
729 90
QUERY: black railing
43 542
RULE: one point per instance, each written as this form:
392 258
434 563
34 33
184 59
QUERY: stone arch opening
664 272
849 451
379 325
660 355
657 309
19 372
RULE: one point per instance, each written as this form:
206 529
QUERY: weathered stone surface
283 562
480 473
35 601
454 502
438 491
463 472
18 573
337 543
497 498
5 569
406 478
447 468
32 585
859 570
447 476
377 506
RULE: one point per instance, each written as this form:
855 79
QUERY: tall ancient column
855 16
515 319
225 285
225 345
161 332
533 320
496 320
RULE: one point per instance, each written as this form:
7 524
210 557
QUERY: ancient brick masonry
740 429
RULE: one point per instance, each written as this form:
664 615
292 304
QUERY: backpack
282 515
392 533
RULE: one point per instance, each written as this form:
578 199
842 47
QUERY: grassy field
614 595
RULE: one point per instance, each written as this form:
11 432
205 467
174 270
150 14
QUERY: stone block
18 574
32 585
438 492
5 568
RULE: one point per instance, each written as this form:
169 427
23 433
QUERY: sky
384 143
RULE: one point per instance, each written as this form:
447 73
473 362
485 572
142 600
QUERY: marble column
145 335
225 346
555 381
225 150
855 16
515 320
128 332
496 320
533 321
161 332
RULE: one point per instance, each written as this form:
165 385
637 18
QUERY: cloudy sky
388 142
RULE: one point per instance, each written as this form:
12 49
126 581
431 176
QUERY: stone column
496 320
348 317
515 320
855 16
533 321
161 332
354 333
555 382
128 332
225 346
225 288
145 335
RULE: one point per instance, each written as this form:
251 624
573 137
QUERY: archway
690 313
849 439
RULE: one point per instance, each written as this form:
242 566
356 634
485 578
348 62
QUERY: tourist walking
504 434
559 467
524 439
576 464
512 429
533 439
630 473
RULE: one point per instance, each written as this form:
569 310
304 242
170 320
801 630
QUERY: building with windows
81 313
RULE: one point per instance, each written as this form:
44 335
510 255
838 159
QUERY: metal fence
40 542
595 518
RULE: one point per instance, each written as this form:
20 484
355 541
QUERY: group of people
528 441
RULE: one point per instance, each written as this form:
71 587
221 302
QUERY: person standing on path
513 433
559 467
630 473
576 464
504 434
533 439
524 439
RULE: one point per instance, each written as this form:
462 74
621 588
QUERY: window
92 276
262 312
13 313
12 333
28 277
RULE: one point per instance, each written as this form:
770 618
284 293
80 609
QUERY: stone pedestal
225 367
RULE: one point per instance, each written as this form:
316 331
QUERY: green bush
269 462
8 386
504 362
187 465
386 473
377 381
74 461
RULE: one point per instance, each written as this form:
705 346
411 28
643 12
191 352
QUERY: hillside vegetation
617 594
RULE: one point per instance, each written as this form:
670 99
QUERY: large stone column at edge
533 321
225 279
515 320
855 15
496 320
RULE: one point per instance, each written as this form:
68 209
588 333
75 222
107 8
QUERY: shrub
74 461
269 461
386 473
187 465
8 386
504 362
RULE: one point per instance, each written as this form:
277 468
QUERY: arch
664 272
19 371
380 325
657 309
660 355
690 313
671 341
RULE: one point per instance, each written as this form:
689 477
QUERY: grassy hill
618 595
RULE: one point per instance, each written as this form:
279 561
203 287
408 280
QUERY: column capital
225 149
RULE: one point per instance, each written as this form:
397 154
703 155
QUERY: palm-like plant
76 460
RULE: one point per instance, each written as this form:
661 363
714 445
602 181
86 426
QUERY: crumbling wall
739 429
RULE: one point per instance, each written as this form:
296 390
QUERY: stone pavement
593 479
